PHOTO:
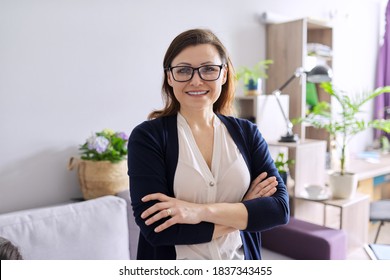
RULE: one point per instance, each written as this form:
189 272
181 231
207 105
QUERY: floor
383 238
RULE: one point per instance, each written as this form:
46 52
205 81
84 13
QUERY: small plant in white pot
342 128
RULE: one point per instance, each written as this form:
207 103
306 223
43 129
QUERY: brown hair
193 37
9 251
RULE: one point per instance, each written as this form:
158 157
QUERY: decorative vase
253 87
284 176
100 178
343 186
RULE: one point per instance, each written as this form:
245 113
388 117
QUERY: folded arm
228 216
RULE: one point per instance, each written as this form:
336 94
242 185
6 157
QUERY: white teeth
196 92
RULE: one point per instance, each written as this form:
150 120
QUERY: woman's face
197 94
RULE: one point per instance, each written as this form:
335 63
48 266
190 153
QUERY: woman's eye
209 69
184 70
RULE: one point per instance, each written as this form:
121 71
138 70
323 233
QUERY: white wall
72 67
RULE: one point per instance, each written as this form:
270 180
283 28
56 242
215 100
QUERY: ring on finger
168 212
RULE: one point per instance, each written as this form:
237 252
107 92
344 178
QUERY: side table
352 216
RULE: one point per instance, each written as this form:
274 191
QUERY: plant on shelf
282 165
343 127
252 77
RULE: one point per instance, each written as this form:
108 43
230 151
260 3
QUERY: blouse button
211 184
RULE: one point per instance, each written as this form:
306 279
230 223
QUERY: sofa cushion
93 229
133 228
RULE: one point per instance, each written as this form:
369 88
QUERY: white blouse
227 181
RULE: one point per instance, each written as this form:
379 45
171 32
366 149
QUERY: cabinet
309 166
287 47
265 112
350 215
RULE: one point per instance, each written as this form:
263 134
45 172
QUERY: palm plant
346 124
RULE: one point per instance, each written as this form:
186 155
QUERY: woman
191 164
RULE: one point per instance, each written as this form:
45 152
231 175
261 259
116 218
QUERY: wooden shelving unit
265 112
287 47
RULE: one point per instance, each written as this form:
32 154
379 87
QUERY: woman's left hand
261 187
179 211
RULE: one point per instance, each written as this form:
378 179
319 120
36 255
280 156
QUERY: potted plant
282 165
384 144
252 77
342 128
102 169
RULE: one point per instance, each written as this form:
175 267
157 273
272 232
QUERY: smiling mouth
197 92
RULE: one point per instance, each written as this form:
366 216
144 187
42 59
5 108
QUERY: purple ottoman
302 240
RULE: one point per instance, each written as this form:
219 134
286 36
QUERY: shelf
318 24
247 97
287 47
294 144
265 112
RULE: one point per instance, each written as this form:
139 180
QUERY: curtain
382 102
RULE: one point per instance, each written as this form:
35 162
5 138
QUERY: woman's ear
169 79
225 74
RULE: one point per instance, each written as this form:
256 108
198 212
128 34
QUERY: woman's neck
198 119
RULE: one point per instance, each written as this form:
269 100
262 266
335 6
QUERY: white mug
314 190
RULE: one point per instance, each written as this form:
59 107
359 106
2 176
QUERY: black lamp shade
319 74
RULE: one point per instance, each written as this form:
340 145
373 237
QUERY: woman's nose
196 79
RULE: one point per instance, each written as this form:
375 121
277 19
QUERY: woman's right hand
261 187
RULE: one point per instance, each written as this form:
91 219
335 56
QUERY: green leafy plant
250 76
385 144
282 163
105 145
346 123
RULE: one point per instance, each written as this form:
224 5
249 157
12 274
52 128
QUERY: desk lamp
318 74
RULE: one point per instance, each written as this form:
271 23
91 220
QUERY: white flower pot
343 186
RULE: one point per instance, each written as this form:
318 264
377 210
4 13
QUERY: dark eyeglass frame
196 69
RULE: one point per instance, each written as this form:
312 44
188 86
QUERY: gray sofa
93 229
104 229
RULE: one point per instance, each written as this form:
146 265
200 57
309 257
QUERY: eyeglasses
185 73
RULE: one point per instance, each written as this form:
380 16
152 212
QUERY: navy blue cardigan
152 160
